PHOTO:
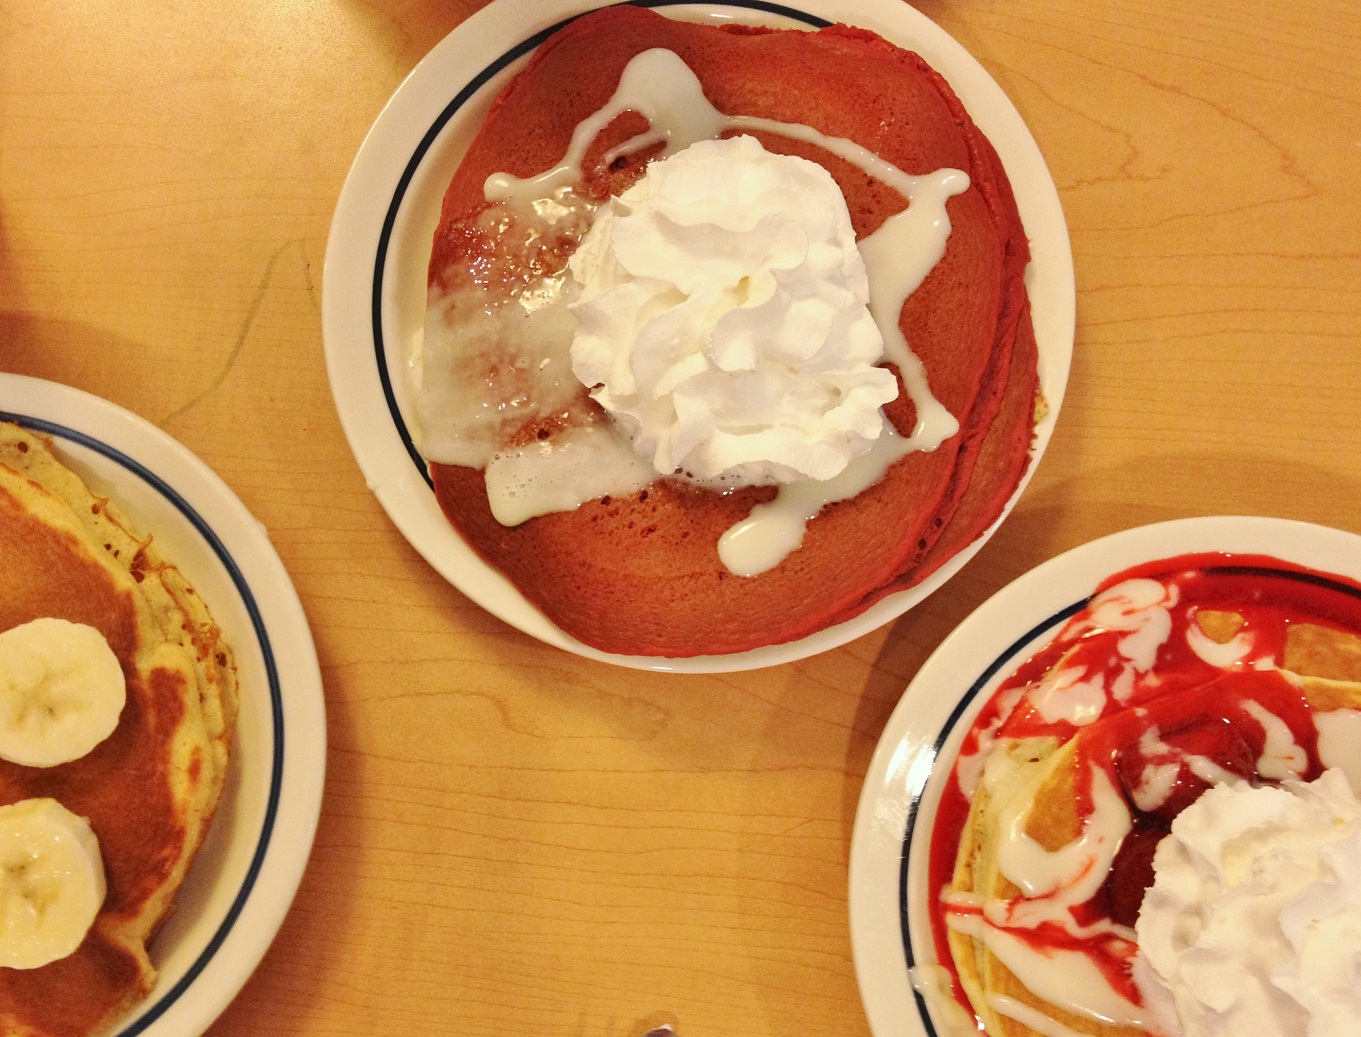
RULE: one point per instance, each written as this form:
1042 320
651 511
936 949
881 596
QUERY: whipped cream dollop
1252 926
724 320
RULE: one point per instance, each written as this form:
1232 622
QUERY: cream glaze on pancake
151 788
1321 663
640 574
1049 780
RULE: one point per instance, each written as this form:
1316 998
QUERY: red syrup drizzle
1198 708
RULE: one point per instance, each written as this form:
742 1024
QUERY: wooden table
516 841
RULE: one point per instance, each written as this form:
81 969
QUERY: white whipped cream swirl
724 322
1252 927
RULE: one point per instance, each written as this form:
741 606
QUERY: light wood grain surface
516 841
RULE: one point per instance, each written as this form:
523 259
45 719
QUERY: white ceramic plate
244 878
890 927
373 302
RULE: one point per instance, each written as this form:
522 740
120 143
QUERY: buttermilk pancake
148 790
639 572
1156 692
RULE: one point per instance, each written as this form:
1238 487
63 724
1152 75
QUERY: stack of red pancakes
641 575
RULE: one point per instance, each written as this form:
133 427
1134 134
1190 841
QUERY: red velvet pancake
641 574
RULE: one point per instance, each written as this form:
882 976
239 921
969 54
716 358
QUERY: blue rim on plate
150 1013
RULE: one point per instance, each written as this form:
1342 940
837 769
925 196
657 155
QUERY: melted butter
658 85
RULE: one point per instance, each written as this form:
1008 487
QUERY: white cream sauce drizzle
1339 733
1067 979
775 529
1030 1017
1068 694
1158 779
658 85
934 984
1221 655
1052 883
1055 880
1139 609
1282 757
1073 873
474 393
560 471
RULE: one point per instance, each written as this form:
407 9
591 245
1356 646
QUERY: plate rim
454 73
985 647
134 448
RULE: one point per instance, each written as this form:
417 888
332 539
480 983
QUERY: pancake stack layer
1241 648
640 573
151 788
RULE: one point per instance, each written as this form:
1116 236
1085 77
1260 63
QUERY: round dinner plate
242 881
373 300
890 925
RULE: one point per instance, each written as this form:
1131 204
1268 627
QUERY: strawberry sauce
1170 680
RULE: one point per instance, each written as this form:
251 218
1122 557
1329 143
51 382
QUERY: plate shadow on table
310 934
40 347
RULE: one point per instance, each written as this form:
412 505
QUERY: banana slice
61 692
51 882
